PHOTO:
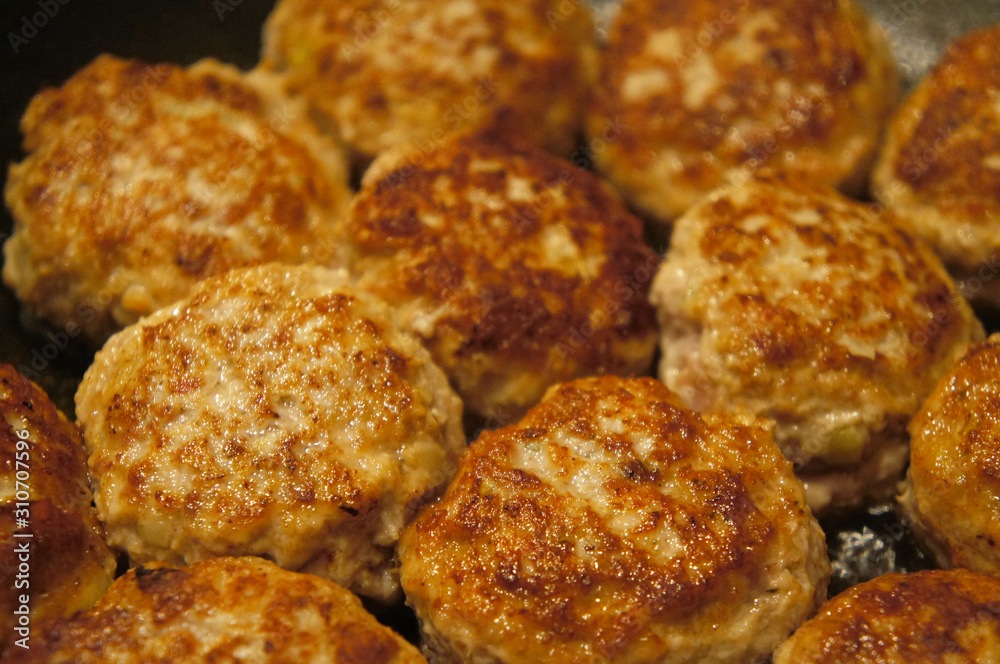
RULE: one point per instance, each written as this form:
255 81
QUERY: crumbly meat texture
952 491
276 412
243 610
787 299
940 166
387 72
612 524
517 269
935 617
694 94
43 480
141 180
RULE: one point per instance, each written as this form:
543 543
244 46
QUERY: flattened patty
141 180
800 305
220 610
940 166
953 485
53 547
707 93
935 616
275 412
517 269
383 73
613 524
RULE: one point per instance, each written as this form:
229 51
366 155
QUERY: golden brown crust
940 167
386 72
707 93
929 617
613 523
65 565
954 478
275 412
802 306
517 269
143 179
221 610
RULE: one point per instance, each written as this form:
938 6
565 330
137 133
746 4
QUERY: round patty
275 412
787 299
517 269
693 94
613 524
142 179
932 617
220 610
54 552
953 486
385 72
940 167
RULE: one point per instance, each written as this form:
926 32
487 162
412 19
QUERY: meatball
694 94
54 560
787 299
955 464
940 167
517 269
219 610
934 616
386 72
275 412
612 524
143 179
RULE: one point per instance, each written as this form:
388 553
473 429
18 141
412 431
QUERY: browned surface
793 86
223 610
384 72
69 564
143 179
941 164
932 617
800 305
955 463
275 412
517 269
612 523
